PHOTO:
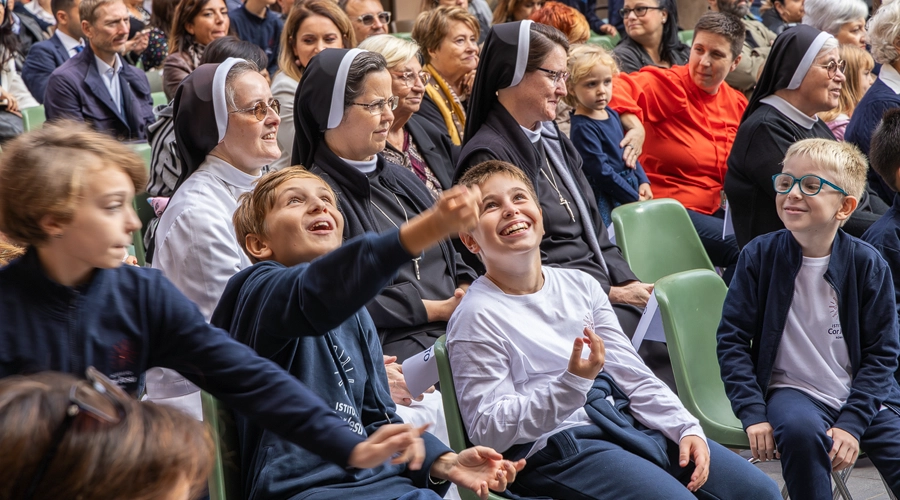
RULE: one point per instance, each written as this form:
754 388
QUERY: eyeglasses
369 19
260 110
98 397
556 76
810 185
638 11
409 78
377 107
833 66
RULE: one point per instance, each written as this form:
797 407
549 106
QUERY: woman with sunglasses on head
803 76
448 38
65 437
651 36
343 114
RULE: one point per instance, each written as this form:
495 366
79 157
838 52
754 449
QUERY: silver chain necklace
562 200
415 260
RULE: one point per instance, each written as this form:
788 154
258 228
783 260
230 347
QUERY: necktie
79 48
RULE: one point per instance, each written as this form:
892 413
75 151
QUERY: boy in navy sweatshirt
310 319
808 342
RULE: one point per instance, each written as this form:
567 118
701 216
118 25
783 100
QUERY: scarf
447 103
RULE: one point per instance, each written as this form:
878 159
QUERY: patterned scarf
448 104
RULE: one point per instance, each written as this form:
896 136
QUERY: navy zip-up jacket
128 319
756 309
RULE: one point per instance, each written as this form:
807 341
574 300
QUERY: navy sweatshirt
128 319
264 32
311 320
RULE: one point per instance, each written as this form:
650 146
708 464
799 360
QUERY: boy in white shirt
597 427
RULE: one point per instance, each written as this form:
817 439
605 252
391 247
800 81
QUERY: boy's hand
590 367
762 441
644 192
395 442
397 383
478 468
693 448
845 450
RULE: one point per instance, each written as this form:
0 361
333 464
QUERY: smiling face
109 32
315 34
809 215
410 96
361 134
853 33
210 24
250 144
817 91
536 97
304 223
710 61
457 53
642 29
594 90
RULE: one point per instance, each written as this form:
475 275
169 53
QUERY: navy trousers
800 423
722 252
577 465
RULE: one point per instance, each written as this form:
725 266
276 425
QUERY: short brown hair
884 153
479 174
88 9
842 159
150 451
433 25
726 25
564 18
43 173
254 207
301 12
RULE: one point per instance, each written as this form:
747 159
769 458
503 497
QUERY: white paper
650 327
728 227
611 232
421 372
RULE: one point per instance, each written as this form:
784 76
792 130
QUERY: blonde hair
842 159
582 60
858 60
433 25
301 12
43 173
254 206
396 51
8 252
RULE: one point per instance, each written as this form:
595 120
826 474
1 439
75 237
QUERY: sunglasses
369 19
97 397
260 110
410 78
377 107
833 66
810 185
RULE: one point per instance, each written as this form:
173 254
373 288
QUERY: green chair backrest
154 78
686 36
455 428
605 41
159 98
143 149
657 239
225 480
33 118
690 304
404 35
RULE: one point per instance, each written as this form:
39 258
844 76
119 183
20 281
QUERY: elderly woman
413 141
843 19
515 10
343 117
310 28
691 118
196 24
651 29
514 103
802 76
884 93
448 37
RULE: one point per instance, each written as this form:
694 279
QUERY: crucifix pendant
416 265
565 203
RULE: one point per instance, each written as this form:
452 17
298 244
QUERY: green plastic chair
455 428
33 118
686 36
159 98
657 239
605 41
143 149
225 480
404 35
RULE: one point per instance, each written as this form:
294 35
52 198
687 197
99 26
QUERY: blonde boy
808 340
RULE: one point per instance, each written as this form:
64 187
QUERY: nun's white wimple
220 106
807 60
336 113
522 52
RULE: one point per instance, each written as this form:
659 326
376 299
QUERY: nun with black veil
343 112
803 76
519 82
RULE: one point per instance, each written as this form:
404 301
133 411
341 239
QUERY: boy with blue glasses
808 342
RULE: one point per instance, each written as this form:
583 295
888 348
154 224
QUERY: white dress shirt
35 8
890 77
110 76
70 43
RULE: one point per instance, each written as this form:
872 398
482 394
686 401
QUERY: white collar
228 173
68 42
103 68
788 110
890 77
532 135
364 166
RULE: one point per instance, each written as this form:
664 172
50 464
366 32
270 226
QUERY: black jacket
435 147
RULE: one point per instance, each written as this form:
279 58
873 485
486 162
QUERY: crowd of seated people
331 197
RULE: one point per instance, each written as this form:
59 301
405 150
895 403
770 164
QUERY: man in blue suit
97 86
46 56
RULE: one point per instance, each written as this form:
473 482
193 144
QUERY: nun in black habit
795 85
513 104
342 114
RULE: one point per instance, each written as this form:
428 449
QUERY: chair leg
784 492
840 485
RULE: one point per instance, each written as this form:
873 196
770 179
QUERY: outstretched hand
590 367
481 469
398 443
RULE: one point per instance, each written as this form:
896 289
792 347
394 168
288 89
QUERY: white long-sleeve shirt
510 353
